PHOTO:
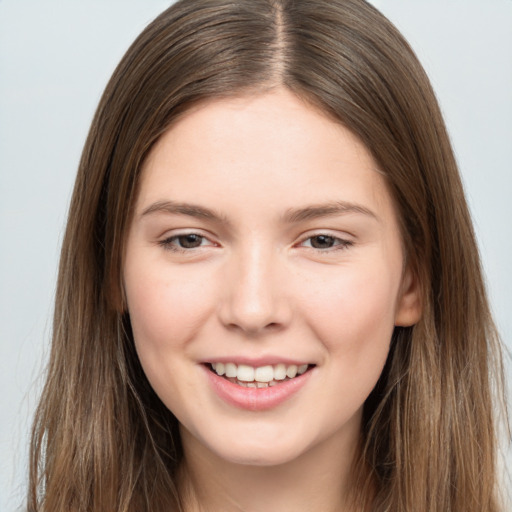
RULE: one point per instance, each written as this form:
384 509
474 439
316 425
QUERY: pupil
322 242
190 241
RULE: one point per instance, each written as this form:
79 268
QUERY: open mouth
258 377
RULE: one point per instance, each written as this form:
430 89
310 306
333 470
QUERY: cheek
163 302
353 315
166 310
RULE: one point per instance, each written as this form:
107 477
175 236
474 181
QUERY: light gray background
55 59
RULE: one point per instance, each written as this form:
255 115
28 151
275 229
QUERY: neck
319 479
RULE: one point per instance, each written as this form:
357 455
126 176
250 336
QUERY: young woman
269 294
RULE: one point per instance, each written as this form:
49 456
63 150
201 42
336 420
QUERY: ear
409 304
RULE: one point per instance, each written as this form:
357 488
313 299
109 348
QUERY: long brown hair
102 440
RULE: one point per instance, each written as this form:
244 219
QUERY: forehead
269 150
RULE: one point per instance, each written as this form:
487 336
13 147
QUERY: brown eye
322 241
185 242
190 241
326 244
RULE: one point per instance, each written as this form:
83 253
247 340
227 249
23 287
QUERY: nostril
254 306
254 329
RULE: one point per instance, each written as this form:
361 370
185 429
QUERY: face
264 275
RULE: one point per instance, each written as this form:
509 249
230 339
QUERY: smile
257 388
258 377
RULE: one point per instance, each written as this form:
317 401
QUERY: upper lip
257 361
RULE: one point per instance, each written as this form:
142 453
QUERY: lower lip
255 399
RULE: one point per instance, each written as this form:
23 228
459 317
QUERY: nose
254 299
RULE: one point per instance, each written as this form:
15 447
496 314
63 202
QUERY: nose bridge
255 300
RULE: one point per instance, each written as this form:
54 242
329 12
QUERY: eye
324 242
185 241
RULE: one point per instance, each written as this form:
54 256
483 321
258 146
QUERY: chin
251 449
271 455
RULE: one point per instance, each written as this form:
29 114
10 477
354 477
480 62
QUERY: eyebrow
192 210
291 216
329 209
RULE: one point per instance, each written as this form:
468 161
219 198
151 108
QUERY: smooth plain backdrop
55 59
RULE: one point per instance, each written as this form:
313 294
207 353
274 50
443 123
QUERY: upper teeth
246 373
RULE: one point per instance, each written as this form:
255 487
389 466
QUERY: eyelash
168 245
339 243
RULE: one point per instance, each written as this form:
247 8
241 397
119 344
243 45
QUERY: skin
261 285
